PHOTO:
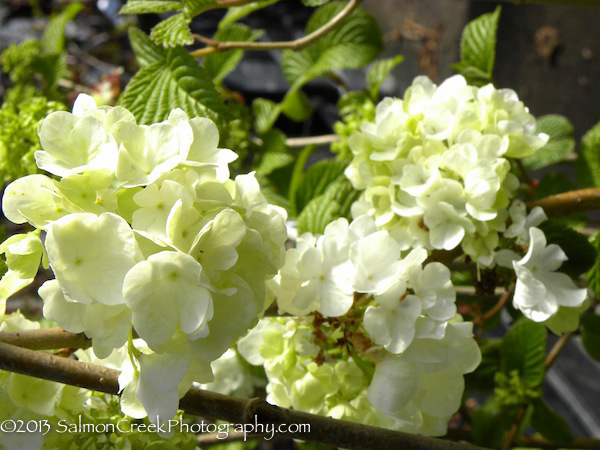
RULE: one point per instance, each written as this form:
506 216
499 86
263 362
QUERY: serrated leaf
150 6
379 72
334 203
178 82
354 43
524 348
550 424
195 7
274 153
560 143
588 163
146 51
236 13
53 40
590 334
582 255
52 67
478 42
316 179
173 31
265 114
219 64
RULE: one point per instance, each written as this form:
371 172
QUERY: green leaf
550 424
146 51
235 13
590 335
524 348
489 423
473 75
560 144
296 106
219 64
265 114
52 67
314 2
334 203
351 45
173 32
151 6
593 276
298 174
53 40
316 180
379 72
178 82
588 163
274 153
478 42
582 255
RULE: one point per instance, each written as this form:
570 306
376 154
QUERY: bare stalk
569 202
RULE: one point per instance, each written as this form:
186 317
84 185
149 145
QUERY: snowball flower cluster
434 167
323 273
145 231
416 391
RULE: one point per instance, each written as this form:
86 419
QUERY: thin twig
556 349
569 202
297 44
584 3
512 433
498 306
308 427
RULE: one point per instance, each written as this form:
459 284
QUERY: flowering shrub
182 278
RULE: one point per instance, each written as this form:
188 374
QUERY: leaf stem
296 44
308 427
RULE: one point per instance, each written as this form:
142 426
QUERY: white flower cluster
356 273
416 391
434 165
145 230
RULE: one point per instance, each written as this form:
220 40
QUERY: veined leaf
235 13
576 246
590 335
593 276
265 114
379 72
316 179
173 32
352 44
53 40
560 144
274 153
478 43
524 348
588 163
219 64
549 424
146 51
151 6
178 82
296 105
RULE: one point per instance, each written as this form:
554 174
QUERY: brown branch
556 349
584 3
297 44
498 306
512 433
45 339
216 406
569 202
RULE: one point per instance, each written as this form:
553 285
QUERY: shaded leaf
265 114
314 2
296 106
274 153
53 40
379 72
560 143
298 174
176 83
483 377
151 6
146 51
550 424
478 42
489 423
524 348
316 179
593 276
219 64
588 163
590 335
582 255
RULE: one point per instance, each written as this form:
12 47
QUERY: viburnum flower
540 288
